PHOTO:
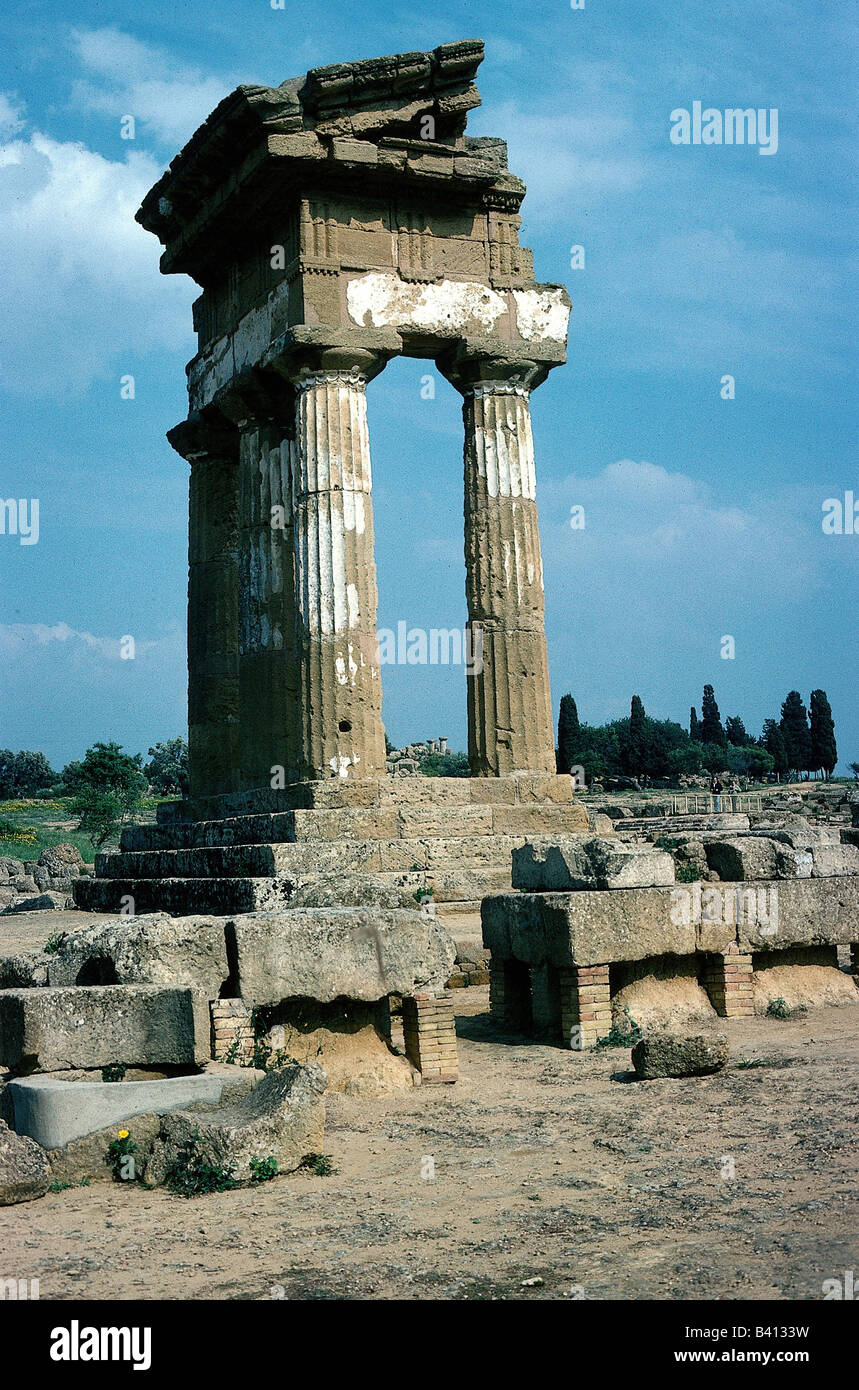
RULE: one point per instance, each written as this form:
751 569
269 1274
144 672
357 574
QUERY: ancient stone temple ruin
335 222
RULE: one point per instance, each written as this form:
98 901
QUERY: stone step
680 825
360 823
220 897
314 859
521 788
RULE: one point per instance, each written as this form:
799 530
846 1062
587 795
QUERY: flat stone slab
593 928
331 953
54 1111
59 1029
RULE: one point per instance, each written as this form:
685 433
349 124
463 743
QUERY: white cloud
78 277
129 77
11 116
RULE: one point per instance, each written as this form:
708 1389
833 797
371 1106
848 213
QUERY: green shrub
263 1169
192 1176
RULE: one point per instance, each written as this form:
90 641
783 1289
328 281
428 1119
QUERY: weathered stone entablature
335 222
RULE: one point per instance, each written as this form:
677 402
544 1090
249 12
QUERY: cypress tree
735 730
694 732
569 732
772 739
711 723
824 751
797 735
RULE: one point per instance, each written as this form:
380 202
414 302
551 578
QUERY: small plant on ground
114 1071
193 1176
624 1032
53 943
120 1157
58 1186
263 1169
778 1008
320 1164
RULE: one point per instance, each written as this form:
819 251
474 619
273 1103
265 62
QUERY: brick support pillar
429 1033
211 446
585 1005
509 705
728 981
232 1031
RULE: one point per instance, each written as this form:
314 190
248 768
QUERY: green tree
445 765
772 739
824 751
106 768
735 731
797 735
694 731
167 769
854 768
569 733
108 786
711 730
24 773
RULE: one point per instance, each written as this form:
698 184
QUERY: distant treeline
801 742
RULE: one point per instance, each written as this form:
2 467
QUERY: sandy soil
549 1166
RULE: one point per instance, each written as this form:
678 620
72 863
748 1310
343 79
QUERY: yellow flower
123 1134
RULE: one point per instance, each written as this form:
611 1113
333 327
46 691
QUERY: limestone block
328 953
585 927
665 1054
56 1029
148 950
39 902
830 860
282 1118
553 866
24 1169
804 912
569 865
751 856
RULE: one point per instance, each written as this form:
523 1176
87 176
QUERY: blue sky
702 515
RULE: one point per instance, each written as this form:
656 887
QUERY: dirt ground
555 1176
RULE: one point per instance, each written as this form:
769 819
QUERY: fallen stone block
58 1029
831 860
54 1111
752 856
25 971
668 1054
282 1118
566 864
330 953
39 902
147 950
24 1169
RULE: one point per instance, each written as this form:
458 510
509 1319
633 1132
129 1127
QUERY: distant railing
710 804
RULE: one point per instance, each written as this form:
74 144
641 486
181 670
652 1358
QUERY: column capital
477 369
306 367
205 434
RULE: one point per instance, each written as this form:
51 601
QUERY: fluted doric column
268 662
340 688
509 703
211 446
